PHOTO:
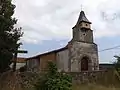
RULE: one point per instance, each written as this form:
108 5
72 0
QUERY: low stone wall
77 77
27 79
86 77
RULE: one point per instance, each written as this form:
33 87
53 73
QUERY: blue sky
47 24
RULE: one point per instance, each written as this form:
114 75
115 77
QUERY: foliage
28 79
53 80
117 63
9 35
23 69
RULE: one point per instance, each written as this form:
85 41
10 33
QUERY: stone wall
62 60
87 77
18 81
80 50
77 77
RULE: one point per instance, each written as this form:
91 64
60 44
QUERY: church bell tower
82 30
83 51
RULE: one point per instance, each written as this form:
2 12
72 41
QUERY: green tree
53 80
9 35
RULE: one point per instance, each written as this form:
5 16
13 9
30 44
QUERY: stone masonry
83 46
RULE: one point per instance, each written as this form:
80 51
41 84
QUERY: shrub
53 80
117 63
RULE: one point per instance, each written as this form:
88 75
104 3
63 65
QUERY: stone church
80 54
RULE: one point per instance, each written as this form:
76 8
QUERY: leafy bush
117 63
53 80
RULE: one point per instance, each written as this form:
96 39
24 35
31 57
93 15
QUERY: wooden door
84 64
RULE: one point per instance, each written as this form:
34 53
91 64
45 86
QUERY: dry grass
93 87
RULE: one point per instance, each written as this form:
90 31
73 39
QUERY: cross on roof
81 7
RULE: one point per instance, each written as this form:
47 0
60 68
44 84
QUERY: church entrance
84 64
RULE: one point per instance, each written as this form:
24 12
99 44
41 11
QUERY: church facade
80 54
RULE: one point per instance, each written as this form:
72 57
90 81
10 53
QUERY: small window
83 34
86 24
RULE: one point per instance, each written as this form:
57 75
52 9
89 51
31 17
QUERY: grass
93 87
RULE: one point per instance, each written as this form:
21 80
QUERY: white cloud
54 19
